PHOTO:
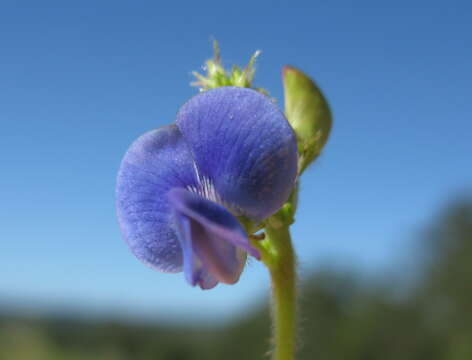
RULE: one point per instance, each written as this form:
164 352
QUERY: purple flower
231 153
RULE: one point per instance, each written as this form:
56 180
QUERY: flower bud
307 112
217 76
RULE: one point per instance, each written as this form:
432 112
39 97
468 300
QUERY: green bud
308 112
217 76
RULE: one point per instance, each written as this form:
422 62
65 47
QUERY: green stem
280 260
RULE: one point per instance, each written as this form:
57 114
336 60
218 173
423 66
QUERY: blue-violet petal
214 243
156 162
243 147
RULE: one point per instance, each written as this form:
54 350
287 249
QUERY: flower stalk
278 256
283 275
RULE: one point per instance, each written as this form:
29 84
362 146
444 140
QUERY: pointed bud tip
289 69
286 69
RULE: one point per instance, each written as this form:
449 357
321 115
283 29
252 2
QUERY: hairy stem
280 260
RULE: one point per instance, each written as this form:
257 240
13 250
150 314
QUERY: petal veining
156 162
243 146
212 239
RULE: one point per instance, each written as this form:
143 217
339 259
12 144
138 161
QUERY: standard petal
156 162
244 148
213 242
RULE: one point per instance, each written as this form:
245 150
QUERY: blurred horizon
343 316
402 277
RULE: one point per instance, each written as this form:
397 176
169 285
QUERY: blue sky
80 81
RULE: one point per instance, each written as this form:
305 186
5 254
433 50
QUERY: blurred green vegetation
342 317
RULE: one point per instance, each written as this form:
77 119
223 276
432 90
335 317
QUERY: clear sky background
79 81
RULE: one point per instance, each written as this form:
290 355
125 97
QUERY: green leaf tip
308 113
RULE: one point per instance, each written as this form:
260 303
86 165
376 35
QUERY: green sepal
217 76
308 113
